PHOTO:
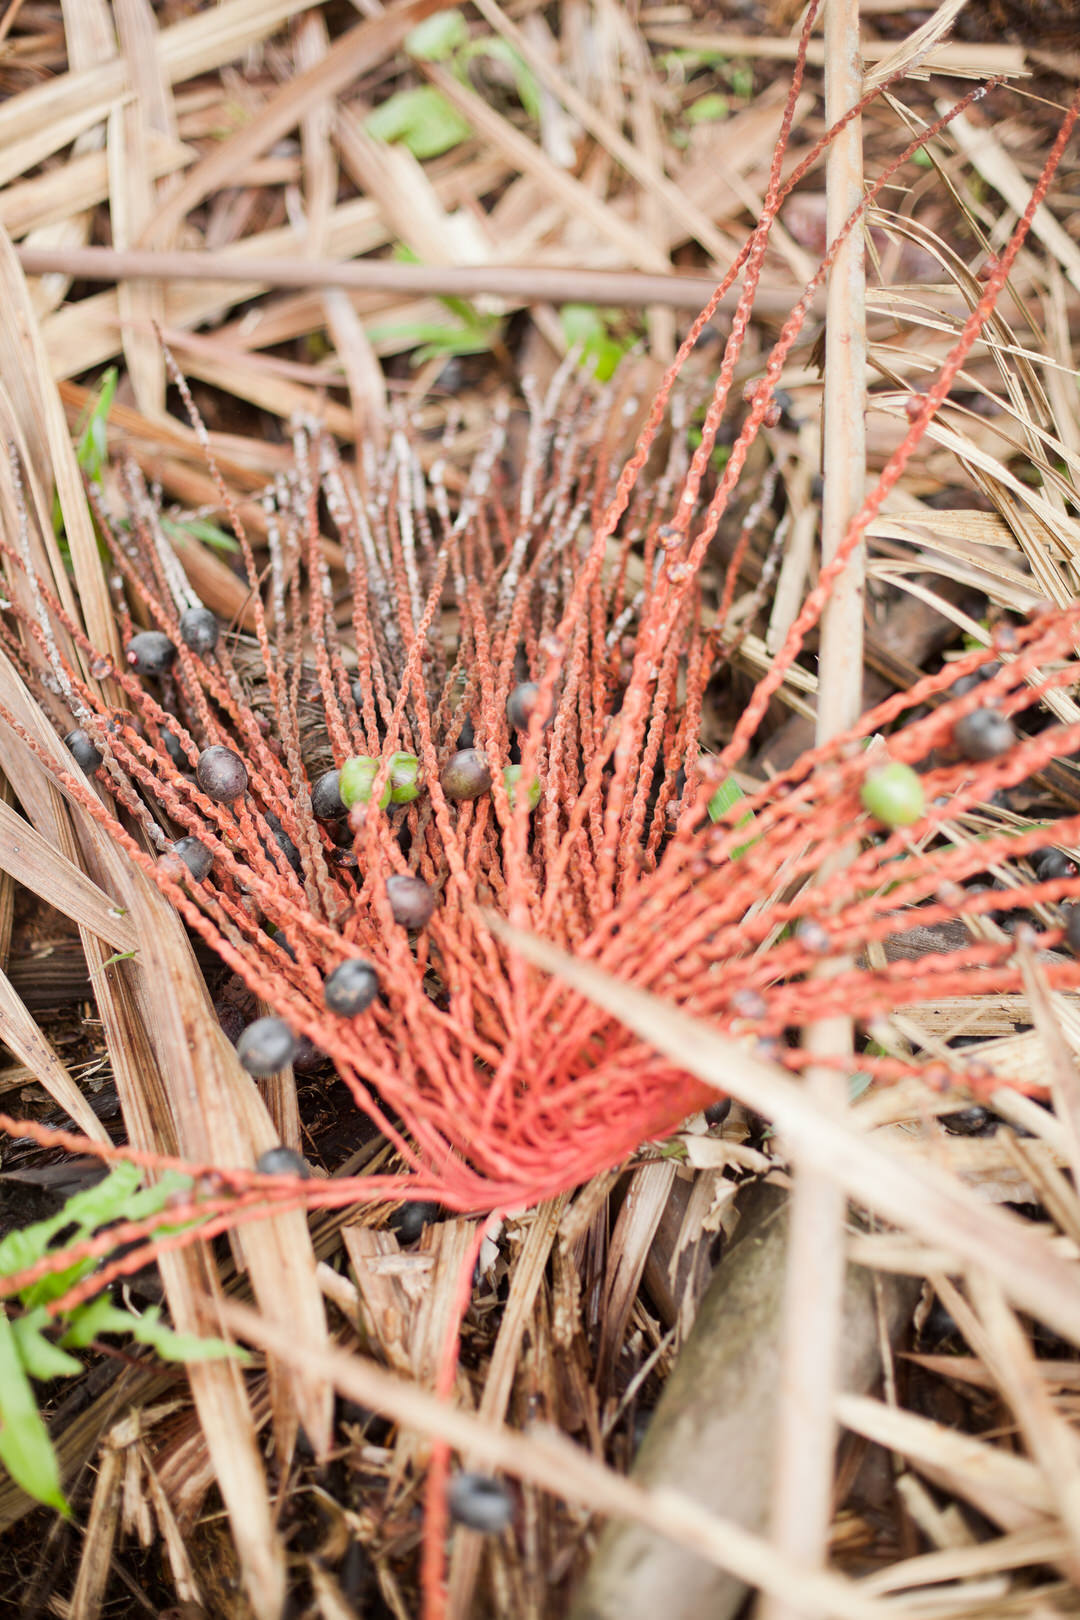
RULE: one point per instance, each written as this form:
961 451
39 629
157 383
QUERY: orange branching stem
494 1086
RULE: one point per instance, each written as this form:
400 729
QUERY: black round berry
266 1046
199 630
283 1161
465 775
284 842
412 901
1051 864
480 1502
174 749
150 653
221 774
520 704
717 1112
326 801
195 856
351 988
409 1221
983 734
968 683
973 1121
82 750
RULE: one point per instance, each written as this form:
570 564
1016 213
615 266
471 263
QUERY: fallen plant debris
470 693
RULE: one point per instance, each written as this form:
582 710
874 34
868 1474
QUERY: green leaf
88 1322
172 1346
92 450
421 119
525 82
858 1082
581 323
25 1448
708 109
200 529
585 326
728 793
107 1201
39 1355
438 38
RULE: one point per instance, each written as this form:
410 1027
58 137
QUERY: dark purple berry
82 750
519 704
480 1502
195 856
266 1046
465 775
983 734
973 1121
717 1112
968 683
409 1221
283 1161
308 1057
326 801
412 901
1051 864
221 774
284 842
199 630
351 988
174 748
1071 918
150 653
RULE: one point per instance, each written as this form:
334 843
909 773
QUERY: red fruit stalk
498 1087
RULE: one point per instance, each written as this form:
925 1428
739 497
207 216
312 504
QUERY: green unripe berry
357 781
893 794
404 778
511 777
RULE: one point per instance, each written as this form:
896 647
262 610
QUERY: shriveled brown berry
465 775
412 901
266 1046
221 774
199 630
983 734
150 653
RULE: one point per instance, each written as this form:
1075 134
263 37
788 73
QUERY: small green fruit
404 778
893 794
511 777
358 779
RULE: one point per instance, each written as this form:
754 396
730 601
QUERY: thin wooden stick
814 1283
525 283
